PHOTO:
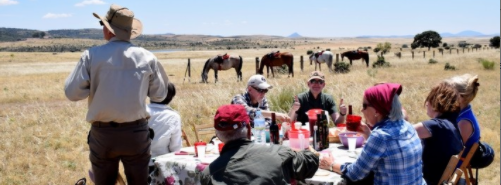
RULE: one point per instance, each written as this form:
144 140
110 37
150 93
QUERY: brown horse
278 59
222 62
355 55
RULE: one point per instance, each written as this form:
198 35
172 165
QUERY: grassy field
44 135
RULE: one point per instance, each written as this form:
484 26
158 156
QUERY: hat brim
137 28
264 85
315 77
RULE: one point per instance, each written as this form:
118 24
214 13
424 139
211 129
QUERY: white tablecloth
184 168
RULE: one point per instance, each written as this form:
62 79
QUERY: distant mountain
294 35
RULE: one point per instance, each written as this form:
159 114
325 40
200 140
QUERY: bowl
343 136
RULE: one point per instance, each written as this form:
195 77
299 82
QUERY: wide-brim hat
121 22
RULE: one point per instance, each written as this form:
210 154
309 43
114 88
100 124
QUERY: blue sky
312 18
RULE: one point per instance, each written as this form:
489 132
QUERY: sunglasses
365 105
317 82
260 90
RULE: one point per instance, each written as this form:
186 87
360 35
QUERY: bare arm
294 108
466 129
423 133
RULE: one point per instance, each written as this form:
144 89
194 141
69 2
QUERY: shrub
487 64
449 67
447 47
405 46
309 52
381 62
341 67
432 61
328 49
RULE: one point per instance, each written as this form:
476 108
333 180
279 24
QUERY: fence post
424 54
450 51
442 52
400 49
257 65
433 53
301 60
463 50
189 68
337 57
457 51
412 55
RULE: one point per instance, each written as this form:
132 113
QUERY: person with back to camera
314 98
439 137
117 77
393 150
166 124
243 162
255 99
466 122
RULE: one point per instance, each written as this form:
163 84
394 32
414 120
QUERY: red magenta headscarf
381 96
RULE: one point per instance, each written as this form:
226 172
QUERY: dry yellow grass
44 135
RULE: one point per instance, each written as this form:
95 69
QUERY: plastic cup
352 143
201 151
353 122
220 147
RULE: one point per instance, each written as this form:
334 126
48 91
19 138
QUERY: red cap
231 117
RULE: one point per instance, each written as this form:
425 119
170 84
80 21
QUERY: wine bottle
325 128
274 133
350 110
320 132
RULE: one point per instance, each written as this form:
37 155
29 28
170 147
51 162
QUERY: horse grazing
276 59
355 55
322 57
222 62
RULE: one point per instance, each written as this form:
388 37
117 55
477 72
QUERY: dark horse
222 62
355 55
277 59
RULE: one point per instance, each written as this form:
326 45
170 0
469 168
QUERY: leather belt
115 124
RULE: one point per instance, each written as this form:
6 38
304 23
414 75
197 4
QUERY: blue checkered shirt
393 152
244 99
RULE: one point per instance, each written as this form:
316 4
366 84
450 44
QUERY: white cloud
90 2
55 16
7 2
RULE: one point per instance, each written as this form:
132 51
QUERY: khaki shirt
116 77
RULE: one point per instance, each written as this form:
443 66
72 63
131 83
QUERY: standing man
315 99
117 77
255 99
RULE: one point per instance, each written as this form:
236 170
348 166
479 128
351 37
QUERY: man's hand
281 117
296 104
342 108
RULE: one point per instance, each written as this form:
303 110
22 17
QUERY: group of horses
275 59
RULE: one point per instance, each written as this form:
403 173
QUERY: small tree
495 42
383 47
427 39
444 44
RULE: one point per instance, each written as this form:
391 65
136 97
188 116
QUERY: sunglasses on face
365 105
260 90
317 82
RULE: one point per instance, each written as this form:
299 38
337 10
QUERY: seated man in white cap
255 99
243 162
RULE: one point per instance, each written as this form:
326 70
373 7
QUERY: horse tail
292 66
241 64
367 59
205 70
330 60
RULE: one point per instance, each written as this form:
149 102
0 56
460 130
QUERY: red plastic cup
353 122
199 144
220 147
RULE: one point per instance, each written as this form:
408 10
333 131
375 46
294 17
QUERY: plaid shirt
244 99
393 152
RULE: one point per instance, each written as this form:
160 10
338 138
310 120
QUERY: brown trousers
111 144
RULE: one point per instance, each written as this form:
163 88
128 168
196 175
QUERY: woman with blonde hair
467 88
439 136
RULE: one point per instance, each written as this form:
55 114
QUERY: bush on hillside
432 61
381 62
487 64
449 67
309 52
341 67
